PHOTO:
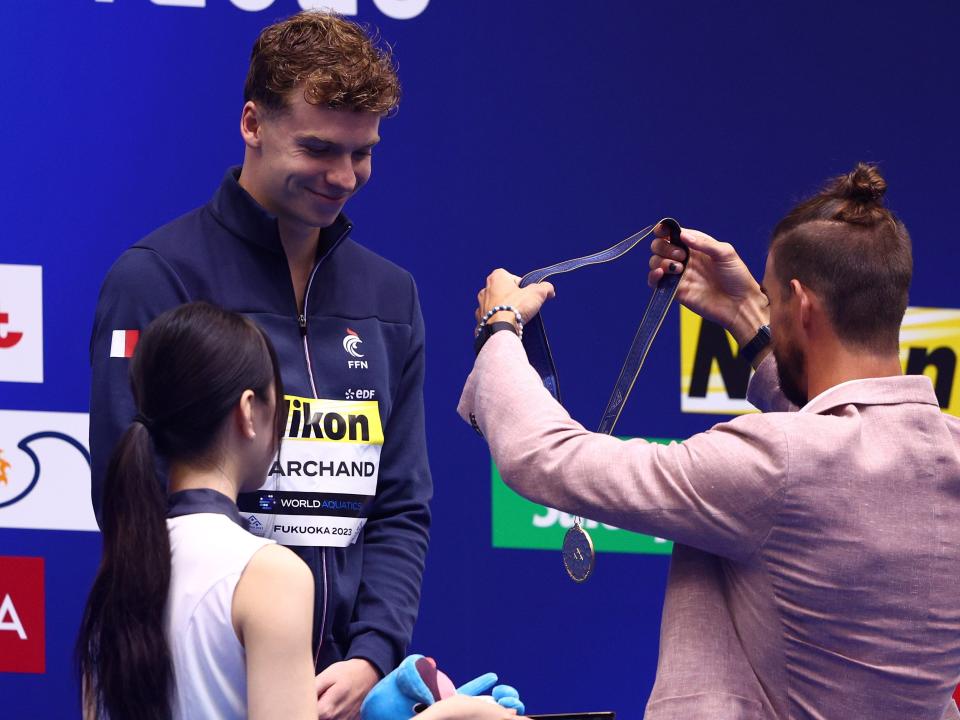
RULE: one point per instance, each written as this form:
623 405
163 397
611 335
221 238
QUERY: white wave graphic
350 343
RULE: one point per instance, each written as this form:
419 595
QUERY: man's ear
251 124
805 302
244 415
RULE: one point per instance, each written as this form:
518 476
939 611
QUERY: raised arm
718 491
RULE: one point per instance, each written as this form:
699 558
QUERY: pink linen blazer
817 566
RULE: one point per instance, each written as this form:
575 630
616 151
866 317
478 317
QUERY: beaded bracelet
503 308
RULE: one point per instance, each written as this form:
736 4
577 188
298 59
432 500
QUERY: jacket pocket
722 706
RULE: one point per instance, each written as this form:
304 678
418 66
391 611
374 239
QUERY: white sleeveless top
209 553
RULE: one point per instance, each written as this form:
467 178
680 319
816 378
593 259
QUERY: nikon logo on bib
320 487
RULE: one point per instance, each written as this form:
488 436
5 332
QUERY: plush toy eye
419 708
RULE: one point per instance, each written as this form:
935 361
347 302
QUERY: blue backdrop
529 132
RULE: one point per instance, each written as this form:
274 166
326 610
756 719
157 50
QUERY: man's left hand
503 288
342 687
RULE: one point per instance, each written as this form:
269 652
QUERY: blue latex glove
397 694
508 697
478 685
402 693
505 695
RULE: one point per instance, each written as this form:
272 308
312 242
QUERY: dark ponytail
190 368
845 244
123 654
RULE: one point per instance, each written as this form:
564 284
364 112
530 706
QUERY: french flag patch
123 343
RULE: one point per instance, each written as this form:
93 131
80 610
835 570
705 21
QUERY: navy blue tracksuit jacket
351 490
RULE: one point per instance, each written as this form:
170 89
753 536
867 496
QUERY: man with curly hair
350 489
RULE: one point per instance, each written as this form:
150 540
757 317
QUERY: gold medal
578 555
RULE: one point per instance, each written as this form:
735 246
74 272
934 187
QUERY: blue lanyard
535 334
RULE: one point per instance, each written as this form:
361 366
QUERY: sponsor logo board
45 471
22 621
21 323
521 524
713 378
929 345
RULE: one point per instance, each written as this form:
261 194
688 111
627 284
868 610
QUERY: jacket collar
895 390
243 216
203 500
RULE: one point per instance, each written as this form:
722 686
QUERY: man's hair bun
864 184
844 244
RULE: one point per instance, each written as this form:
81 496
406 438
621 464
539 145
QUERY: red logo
22 639
9 338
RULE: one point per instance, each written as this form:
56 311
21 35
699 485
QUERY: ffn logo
351 342
396 9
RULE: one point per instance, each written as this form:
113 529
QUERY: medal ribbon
535 335
578 553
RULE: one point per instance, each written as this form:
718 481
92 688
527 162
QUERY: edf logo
22 627
21 323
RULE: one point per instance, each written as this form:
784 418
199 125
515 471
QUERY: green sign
519 523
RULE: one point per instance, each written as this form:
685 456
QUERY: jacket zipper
302 322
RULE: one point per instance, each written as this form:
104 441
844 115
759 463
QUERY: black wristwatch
487 330
759 342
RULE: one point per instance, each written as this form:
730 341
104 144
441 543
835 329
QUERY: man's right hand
716 285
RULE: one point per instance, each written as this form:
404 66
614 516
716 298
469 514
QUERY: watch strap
489 329
750 351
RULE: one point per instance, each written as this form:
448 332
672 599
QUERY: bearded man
817 568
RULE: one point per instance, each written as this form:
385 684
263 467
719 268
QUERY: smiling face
787 349
303 163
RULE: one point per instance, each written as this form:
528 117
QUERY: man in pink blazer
817 566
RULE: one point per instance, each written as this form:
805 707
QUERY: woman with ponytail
191 616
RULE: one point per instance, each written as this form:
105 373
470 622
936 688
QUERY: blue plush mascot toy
417 684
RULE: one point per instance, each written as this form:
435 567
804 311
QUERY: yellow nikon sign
713 378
